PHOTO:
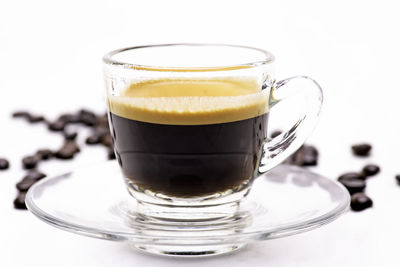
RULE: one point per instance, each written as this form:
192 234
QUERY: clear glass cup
189 124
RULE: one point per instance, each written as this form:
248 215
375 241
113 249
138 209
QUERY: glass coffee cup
189 124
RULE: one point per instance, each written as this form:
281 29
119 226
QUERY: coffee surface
190 102
189 138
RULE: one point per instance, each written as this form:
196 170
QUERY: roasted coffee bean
19 201
70 118
34 175
361 150
87 117
102 121
107 140
310 156
68 150
44 154
69 135
275 133
352 175
57 126
93 139
101 131
84 112
371 169
30 162
398 178
35 118
360 201
25 184
111 154
97 136
4 164
21 114
306 155
353 185
88 121
72 145
64 154
29 179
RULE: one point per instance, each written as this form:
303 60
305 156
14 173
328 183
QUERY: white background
50 62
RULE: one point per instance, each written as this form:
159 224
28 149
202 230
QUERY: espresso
189 138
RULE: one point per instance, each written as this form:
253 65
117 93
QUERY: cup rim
267 58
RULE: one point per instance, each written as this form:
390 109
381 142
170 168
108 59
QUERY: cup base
189 251
188 213
218 206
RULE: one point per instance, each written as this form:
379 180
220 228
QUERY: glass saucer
94 202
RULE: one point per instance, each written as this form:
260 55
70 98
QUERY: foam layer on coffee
190 102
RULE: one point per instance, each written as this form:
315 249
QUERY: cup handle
277 149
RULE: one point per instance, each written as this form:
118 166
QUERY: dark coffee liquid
188 160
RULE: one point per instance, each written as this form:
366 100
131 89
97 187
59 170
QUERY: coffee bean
44 154
57 126
4 164
371 169
107 140
19 201
69 135
21 114
275 133
398 178
70 118
353 185
310 156
70 144
64 154
29 179
35 118
361 150
34 175
84 112
93 139
88 121
30 162
87 117
111 154
306 155
25 184
360 201
102 121
97 136
101 130
68 150
352 175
